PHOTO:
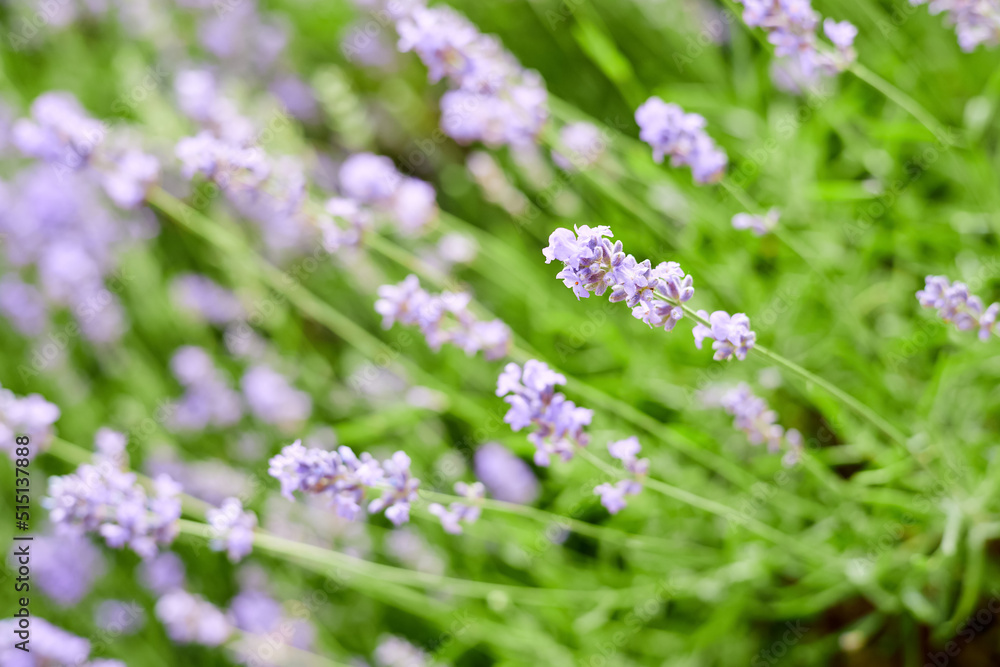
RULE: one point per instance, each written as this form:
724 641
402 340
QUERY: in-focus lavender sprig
460 512
533 401
342 478
672 132
957 305
443 318
593 264
752 415
613 495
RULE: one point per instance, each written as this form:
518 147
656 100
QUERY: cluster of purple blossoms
760 225
64 566
976 21
120 617
205 299
791 26
493 99
593 264
103 498
442 318
752 415
458 512
531 394
232 529
29 415
162 573
613 495
671 131
505 475
208 401
61 133
49 645
342 478
583 145
957 305
272 398
731 334
190 619
373 180
58 227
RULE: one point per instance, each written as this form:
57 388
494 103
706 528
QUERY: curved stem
908 104
854 404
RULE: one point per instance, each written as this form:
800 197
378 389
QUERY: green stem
906 102
854 404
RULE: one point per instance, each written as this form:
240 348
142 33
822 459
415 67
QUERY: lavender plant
208 208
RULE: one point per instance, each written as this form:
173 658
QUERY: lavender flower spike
103 498
452 516
752 415
682 136
342 478
531 394
791 26
731 333
233 529
592 264
190 619
613 495
976 21
956 304
443 318
30 415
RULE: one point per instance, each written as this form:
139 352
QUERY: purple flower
49 646
60 131
272 398
752 415
232 529
680 135
458 512
102 498
957 305
64 566
613 495
373 180
30 415
506 476
190 619
531 394
583 144
120 618
791 26
759 224
402 491
731 333
162 573
23 305
208 400
442 318
593 264
975 22
493 99
341 477
206 299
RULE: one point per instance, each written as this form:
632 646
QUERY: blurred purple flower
753 416
273 399
759 224
456 513
190 619
506 476
442 318
208 401
533 401
162 573
957 305
976 21
29 415
682 136
232 529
